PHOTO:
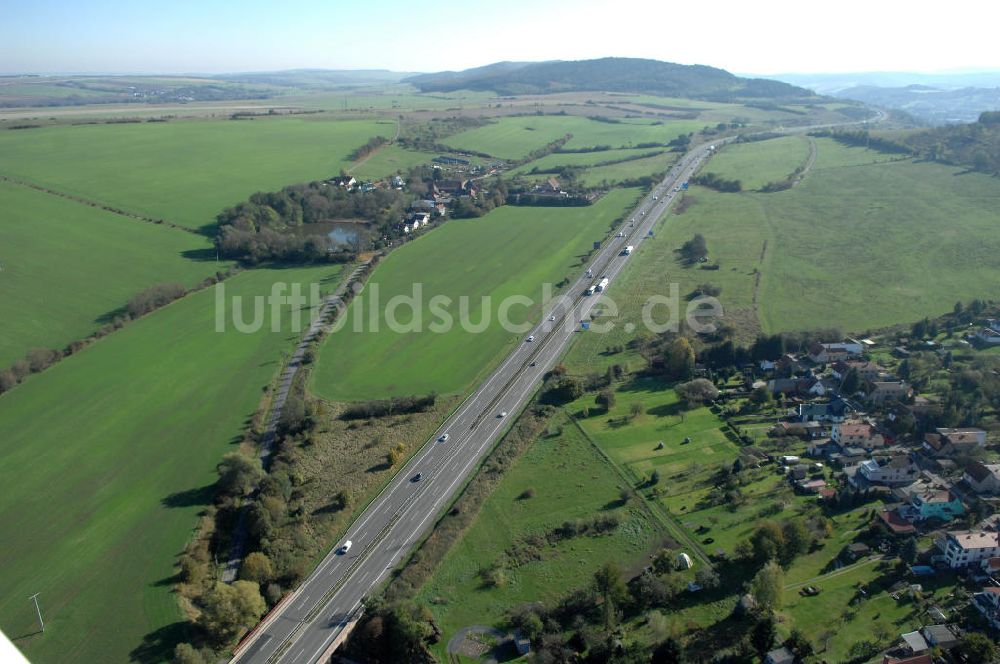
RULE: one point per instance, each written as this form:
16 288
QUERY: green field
756 164
184 171
65 266
849 247
389 160
570 481
581 159
632 442
515 137
510 251
107 458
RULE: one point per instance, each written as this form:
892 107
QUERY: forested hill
975 145
608 74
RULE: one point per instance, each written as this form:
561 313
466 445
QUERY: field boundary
97 204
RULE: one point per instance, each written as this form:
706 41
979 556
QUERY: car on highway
532 364
444 438
417 477
345 547
552 317
503 414
656 198
530 338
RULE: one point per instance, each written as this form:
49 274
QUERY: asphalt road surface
303 627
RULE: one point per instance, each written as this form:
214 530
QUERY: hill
607 74
975 145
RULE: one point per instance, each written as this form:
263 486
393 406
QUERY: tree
768 541
908 550
654 479
706 577
293 415
696 392
798 539
396 454
694 249
668 651
768 585
763 634
40 359
7 380
238 474
976 647
679 359
605 398
257 567
799 644
229 609
852 382
608 584
185 653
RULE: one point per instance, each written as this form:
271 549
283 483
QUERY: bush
40 359
154 297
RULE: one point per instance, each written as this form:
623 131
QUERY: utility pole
40 621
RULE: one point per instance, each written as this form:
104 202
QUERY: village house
418 219
827 353
949 442
896 471
867 371
962 548
857 433
987 603
883 392
990 334
346 181
940 636
453 187
895 522
936 504
983 478
836 410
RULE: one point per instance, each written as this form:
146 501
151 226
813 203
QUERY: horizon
958 71
117 38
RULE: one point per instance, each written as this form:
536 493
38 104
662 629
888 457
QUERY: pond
340 233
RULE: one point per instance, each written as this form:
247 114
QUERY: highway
301 629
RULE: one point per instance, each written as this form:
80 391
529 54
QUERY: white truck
627 250
602 284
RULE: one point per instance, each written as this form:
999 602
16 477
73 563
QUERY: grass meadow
570 480
864 241
67 267
756 164
183 171
510 251
515 137
108 457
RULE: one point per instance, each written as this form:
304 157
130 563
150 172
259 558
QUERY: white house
983 478
857 434
961 548
897 471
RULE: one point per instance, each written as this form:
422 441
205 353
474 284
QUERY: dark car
416 478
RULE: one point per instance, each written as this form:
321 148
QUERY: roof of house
780 655
915 642
993 564
939 633
979 471
959 437
856 429
934 441
916 659
974 539
896 523
935 496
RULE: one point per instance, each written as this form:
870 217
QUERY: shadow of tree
158 646
190 497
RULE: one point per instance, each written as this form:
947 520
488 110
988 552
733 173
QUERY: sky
763 37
